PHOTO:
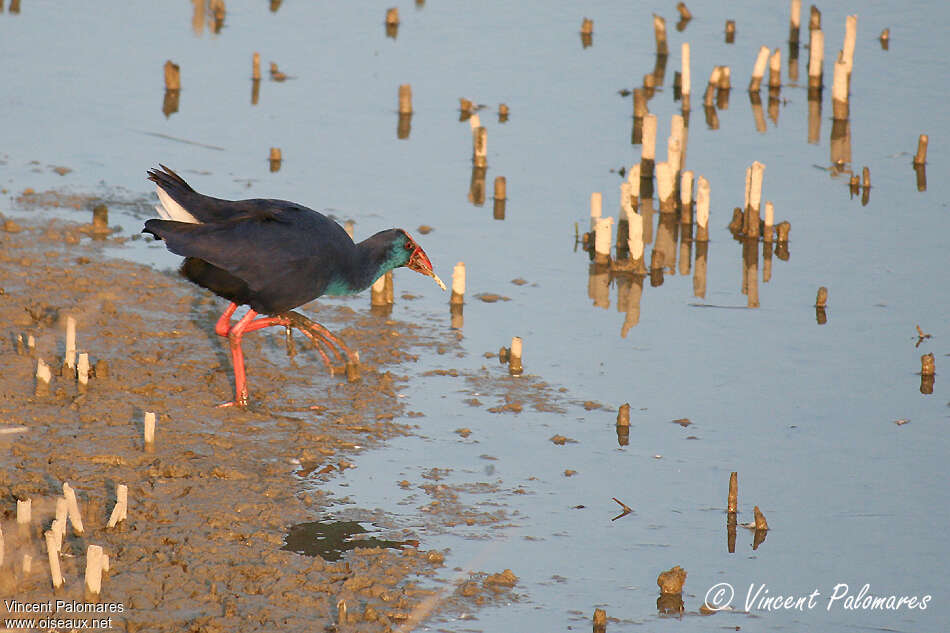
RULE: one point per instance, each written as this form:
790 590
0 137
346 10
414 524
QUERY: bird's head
409 254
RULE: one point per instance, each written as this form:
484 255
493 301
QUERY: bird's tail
171 189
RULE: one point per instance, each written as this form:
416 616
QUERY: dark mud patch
330 539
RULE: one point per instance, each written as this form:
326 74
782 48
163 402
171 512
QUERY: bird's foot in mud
240 400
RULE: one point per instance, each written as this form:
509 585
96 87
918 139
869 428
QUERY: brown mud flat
211 502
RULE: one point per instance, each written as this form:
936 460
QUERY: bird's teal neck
372 258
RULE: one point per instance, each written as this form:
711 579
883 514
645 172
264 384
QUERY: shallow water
804 412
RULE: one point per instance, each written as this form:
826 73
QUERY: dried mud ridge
211 502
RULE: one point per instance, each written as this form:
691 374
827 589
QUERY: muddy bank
211 502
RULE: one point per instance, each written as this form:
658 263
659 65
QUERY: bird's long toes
240 402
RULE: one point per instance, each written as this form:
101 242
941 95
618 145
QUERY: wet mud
211 501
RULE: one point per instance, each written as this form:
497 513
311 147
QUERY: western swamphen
273 256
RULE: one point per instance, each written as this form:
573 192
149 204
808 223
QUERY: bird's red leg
237 358
224 323
319 335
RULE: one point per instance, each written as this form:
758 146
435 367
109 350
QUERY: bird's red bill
420 263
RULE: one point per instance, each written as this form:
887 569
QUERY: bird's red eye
408 245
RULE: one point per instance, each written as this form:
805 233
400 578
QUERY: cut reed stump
920 158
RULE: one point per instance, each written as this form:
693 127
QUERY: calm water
804 412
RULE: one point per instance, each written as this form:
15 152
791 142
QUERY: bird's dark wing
286 256
211 210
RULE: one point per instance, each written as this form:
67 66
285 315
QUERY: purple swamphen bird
273 256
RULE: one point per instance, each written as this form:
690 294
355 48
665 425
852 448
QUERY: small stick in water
755 200
58 528
640 108
702 210
927 365
625 509
149 427
685 77
839 92
82 370
378 292
725 78
686 197
665 177
172 76
405 99
816 54
822 299
603 238
120 511
850 39
730 31
659 31
72 507
794 22
587 33
341 611
276 74
671 582
392 16
711 86
515 368
500 198
53 553
635 240
256 67
623 415
885 38
100 219
24 511
733 500
458 284
275 158
760 522
758 70
94 569
480 147
43 376
855 184
921 157
814 19
782 230
648 155
70 342
775 69
500 188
